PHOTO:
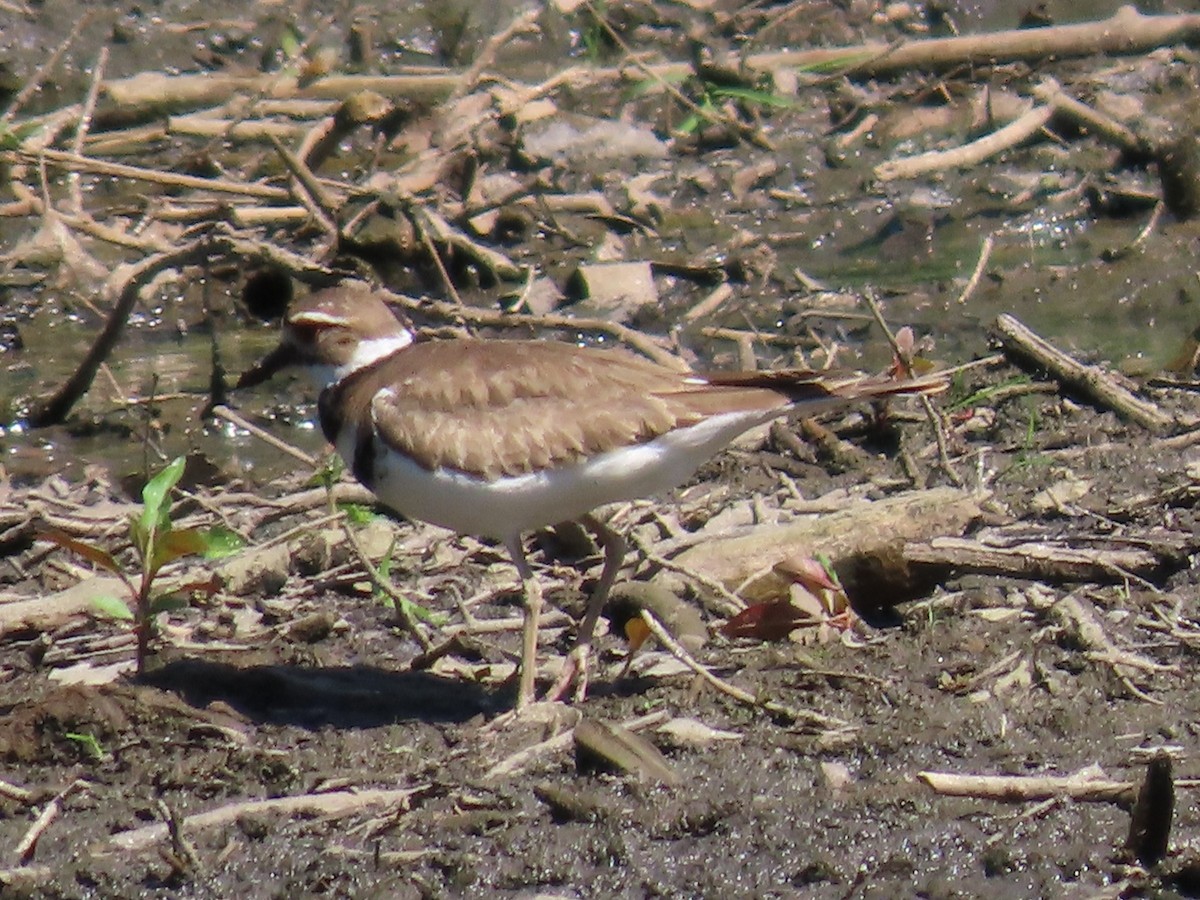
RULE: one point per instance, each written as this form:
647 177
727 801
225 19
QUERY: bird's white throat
367 353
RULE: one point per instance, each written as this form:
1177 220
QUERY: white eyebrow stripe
313 317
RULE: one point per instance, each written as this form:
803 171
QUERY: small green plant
156 542
593 36
1027 456
711 95
982 396
89 744
357 516
409 608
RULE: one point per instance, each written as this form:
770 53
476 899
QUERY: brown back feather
496 408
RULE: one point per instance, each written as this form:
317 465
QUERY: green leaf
12 136
155 493
171 545
425 615
649 85
220 542
982 396
90 552
749 95
836 64
139 535
357 513
89 743
329 472
690 124
290 43
108 607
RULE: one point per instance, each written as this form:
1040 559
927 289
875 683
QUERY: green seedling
156 543
711 96
984 395
836 65
408 607
89 744
593 36
357 516
13 136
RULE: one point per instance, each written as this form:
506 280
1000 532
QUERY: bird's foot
574 671
542 716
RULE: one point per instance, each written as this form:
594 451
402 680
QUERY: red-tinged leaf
90 552
807 571
772 621
636 632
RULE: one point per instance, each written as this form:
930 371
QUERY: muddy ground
282 728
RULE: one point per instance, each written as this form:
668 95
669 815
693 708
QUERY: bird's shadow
315 697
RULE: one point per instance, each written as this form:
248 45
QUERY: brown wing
496 408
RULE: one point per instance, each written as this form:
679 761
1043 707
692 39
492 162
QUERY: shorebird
498 438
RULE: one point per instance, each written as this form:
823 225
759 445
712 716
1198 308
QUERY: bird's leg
531 594
575 668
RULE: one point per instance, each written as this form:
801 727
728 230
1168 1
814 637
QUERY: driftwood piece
865 529
151 94
332 805
1087 784
76 163
1056 104
1012 134
1054 557
1089 118
1091 381
50 611
1076 614
1126 31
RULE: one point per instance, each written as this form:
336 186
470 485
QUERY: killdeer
497 438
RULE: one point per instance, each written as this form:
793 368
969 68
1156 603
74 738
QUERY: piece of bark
1126 31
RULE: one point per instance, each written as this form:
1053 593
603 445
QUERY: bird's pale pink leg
575 669
531 594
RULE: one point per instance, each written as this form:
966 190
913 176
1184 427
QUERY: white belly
506 507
